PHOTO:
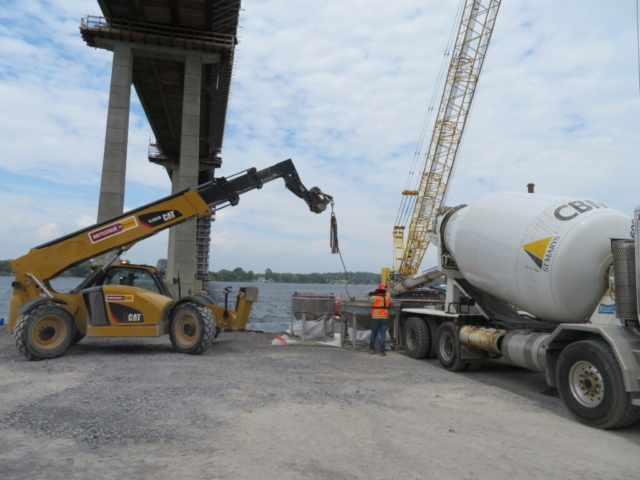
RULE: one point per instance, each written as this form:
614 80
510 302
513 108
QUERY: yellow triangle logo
538 248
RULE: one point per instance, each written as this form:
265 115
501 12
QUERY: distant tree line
81 270
235 275
239 275
5 268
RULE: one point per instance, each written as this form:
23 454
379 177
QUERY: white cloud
342 87
86 220
48 232
220 238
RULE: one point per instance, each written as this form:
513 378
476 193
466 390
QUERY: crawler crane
472 40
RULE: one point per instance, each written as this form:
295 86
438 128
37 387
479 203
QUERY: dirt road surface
134 409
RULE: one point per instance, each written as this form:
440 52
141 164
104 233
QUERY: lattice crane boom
473 37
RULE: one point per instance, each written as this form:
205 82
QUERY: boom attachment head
315 198
222 192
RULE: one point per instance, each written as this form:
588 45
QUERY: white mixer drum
545 254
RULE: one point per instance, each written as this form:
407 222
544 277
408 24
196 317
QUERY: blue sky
342 88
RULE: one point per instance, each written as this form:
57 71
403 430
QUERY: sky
342 87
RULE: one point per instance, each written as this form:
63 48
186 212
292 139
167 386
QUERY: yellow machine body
128 312
123 310
132 300
236 319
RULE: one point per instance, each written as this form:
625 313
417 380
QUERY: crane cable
335 248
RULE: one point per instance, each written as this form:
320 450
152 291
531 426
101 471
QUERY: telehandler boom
132 301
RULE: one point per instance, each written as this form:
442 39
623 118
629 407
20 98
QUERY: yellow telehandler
120 300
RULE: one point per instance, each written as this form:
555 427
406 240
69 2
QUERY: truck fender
624 342
33 303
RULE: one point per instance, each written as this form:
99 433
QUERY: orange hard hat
382 287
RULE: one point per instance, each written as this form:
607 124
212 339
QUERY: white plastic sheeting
314 334
313 330
285 339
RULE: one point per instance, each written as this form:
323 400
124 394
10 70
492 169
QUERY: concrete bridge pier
114 161
185 170
182 238
151 56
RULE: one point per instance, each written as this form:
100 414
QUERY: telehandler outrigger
131 301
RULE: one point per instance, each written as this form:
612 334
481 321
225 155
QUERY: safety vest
380 307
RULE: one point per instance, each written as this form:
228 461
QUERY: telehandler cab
120 300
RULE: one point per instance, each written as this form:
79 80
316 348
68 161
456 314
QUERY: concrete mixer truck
545 283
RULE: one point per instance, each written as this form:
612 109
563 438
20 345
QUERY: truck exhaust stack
624 271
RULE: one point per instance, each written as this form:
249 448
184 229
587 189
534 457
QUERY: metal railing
156 153
153 33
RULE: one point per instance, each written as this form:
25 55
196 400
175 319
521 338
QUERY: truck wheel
448 348
44 332
433 326
474 366
591 386
192 328
416 338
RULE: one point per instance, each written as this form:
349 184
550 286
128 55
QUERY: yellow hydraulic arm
34 270
474 34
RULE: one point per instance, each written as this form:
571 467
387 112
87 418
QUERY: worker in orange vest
379 318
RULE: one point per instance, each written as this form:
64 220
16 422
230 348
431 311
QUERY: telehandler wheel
192 328
77 336
416 338
448 348
433 333
44 332
591 386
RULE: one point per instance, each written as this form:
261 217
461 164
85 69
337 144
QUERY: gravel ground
134 409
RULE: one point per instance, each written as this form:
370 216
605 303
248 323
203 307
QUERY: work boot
383 353
372 351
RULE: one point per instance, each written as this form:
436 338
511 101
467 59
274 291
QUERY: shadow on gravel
77 351
532 386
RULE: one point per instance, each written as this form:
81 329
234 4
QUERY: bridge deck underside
160 83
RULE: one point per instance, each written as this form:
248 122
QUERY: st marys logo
541 251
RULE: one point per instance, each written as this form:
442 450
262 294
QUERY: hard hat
382 287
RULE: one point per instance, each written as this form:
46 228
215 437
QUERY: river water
271 313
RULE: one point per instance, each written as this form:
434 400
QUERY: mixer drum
545 254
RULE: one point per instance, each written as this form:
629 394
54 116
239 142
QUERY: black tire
416 338
433 326
473 366
44 332
448 348
77 336
591 385
192 328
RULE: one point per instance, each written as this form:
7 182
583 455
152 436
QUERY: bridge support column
182 238
114 163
